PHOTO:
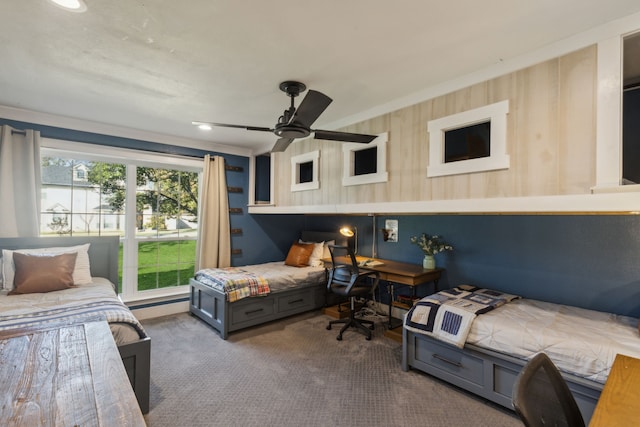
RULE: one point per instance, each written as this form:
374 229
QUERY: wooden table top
400 272
619 403
67 376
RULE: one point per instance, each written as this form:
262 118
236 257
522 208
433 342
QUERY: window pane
469 142
165 263
167 207
365 161
305 172
76 194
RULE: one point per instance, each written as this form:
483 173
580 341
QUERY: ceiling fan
296 123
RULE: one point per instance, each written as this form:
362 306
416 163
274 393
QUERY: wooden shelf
401 305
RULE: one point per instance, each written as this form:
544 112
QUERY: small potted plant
430 245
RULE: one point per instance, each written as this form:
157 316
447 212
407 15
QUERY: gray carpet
294 372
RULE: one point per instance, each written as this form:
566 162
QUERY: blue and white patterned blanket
448 315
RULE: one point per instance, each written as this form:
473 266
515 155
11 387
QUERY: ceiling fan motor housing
285 130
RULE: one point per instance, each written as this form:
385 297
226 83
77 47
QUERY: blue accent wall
590 261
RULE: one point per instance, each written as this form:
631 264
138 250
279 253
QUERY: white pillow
81 272
327 254
315 259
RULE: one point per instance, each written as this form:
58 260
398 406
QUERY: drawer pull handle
296 301
444 359
254 311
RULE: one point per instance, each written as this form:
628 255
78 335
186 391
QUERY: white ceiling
156 65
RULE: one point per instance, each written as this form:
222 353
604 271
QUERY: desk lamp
351 232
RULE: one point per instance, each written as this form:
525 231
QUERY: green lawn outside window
163 264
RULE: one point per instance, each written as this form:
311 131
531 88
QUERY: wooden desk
619 403
401 273
67 376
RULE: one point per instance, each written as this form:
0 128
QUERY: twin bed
93 297
291 290
582 343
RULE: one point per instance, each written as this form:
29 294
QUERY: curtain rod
21 132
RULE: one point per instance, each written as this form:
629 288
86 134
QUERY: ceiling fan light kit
295 123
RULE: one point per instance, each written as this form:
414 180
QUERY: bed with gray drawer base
212 306
483 372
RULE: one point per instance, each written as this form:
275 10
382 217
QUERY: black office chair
346 279
541 397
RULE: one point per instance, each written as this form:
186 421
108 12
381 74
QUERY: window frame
498 158
348 155
132 159
296 161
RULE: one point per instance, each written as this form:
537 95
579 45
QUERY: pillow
37 274
327 254
299 254
315 259
81 271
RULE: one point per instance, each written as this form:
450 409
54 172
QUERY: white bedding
581 342
281 276
20 306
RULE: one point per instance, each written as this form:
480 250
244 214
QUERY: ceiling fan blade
343 136
281 145
225 125
313 104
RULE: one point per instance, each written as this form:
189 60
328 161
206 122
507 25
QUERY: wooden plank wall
551 139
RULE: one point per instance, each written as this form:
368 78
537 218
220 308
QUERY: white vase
429 262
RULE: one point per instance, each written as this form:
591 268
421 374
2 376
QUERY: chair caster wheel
368 338
328 327
339 337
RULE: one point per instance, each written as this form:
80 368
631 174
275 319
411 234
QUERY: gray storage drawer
252 309
296 301
452 360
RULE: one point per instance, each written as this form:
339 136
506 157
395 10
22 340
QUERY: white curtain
19 183
214 238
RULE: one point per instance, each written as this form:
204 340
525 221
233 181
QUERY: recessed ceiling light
71 5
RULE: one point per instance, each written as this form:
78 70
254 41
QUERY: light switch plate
391 230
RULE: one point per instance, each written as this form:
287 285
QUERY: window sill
156 296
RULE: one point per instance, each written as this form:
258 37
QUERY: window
166 226
365 163
631 111
304 171
152 206
81 207
470 141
